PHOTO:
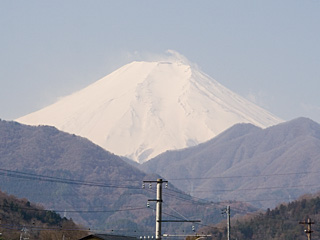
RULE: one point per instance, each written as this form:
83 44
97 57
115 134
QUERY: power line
38 177
207 201
187 198
258 188
77 211
37 227
31 176
243 176
187 195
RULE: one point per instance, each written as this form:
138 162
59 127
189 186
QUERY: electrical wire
76 211
243 176
37 177
186 198
207 202
35 227
260 188
30 176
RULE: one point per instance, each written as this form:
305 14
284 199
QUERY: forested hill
95 187
279 223
19 217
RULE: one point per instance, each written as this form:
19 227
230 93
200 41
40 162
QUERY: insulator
150 185
166 186
148 204
143 185
193 229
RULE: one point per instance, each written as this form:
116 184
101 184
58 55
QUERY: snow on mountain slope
145 108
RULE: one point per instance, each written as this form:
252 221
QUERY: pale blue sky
267 51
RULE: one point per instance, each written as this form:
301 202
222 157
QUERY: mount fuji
146 108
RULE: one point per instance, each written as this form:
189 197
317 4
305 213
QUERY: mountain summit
145 108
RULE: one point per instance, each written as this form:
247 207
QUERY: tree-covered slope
19 217
282 222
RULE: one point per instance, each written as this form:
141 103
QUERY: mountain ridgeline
96 188
247 163
64 171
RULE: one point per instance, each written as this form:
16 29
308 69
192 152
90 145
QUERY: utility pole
227 211
228 220
308 231
158 206
23 234
159 201
159 209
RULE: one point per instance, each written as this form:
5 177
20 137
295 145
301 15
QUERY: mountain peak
145 108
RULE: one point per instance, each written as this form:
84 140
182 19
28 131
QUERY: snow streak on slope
145 108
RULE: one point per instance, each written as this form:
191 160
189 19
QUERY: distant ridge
247 163
146 108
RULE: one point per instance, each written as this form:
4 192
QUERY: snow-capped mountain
145 108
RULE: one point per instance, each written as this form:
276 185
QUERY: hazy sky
265 50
